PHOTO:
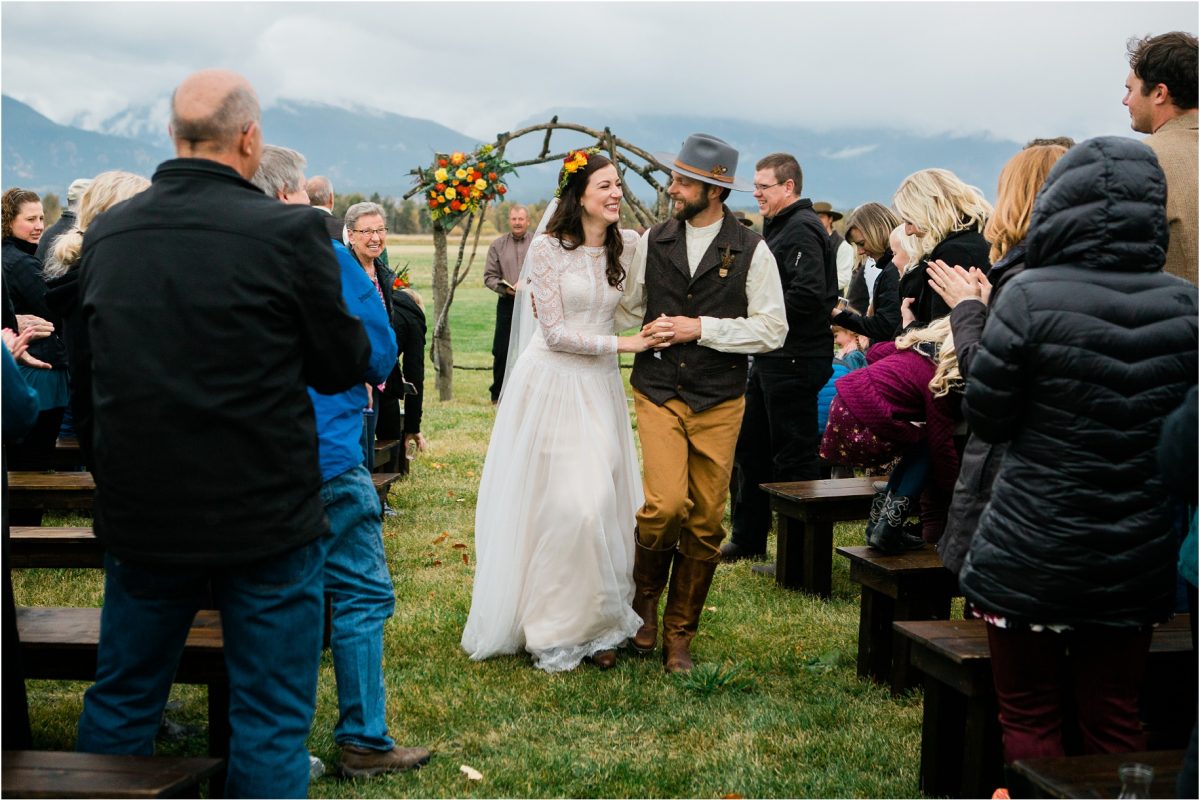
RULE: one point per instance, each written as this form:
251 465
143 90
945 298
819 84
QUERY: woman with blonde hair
904 404
947 217
62 281
868 230
968 294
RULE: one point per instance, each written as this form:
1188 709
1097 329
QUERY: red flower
491 176
433 203
464 190
441 187
501 188
442 162
455 205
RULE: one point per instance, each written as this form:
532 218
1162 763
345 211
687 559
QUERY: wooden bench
383 482
61 644
806 511
55 547
389 453
1095 775
38 773
67 455
911 585
51 490
961 754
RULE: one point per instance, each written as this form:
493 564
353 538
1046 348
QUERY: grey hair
354 212
280 170
320 191
223 126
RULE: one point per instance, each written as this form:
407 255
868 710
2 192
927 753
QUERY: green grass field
773 710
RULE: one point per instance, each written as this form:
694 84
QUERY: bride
560 488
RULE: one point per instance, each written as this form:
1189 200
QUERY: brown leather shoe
605 659
650 571
690 581
360 762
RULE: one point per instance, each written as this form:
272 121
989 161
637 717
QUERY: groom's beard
690 210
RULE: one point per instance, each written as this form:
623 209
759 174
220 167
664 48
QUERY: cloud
1014 70
849 152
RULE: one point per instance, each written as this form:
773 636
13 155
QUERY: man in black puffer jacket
1084 355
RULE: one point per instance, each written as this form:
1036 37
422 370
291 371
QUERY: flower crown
575 161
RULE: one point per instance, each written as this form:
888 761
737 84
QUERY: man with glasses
779 436
356 572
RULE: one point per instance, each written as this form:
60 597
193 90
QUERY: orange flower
491 176
441 187
455 206
433 203
442 162
457 159
501 188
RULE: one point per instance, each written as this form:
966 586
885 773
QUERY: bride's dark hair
567 223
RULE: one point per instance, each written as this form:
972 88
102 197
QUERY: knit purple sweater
891 393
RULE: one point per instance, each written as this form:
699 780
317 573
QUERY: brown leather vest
700 376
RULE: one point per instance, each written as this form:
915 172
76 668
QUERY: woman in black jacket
947 216
868 229
1083 356
967 295
408 322
23 225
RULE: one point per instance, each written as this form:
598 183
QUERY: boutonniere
402 280
726 262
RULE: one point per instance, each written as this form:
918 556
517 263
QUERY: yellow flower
440 175
457 159
480 185
476 193
451 194
461 174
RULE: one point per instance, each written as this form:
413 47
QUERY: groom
709 288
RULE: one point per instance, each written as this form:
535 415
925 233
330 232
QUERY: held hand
985 286
637 343
38 327
686 329
906 315
511 292
953 284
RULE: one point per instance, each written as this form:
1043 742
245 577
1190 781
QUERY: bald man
209 308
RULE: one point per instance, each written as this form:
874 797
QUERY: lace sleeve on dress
545 269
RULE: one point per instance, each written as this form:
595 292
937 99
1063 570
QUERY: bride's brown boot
650 571
690 581
605 659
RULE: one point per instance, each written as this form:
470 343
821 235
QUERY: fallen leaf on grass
459 546
436 465
437 562
449 494
733 796
471 773
441 537
466 560
710 608
460 500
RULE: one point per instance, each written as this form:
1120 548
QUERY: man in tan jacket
1160 93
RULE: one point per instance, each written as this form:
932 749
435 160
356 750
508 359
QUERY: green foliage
773 709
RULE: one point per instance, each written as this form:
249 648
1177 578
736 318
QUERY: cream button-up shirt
764 327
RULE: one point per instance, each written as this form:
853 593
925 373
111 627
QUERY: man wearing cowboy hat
780 437
708 286
845 253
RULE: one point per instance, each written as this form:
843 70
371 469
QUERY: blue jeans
360 588
271 613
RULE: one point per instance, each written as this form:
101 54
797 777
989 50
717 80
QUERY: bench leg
982 753
788 551
875 643
804 555
942 725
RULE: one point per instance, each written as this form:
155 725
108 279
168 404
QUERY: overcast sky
1011 69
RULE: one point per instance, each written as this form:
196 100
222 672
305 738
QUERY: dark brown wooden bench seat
960 734
51 490
58 548
383 482
1096 775
806 511
61 644
39 773
389 453
910 585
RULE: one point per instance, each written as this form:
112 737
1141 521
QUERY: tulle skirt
554 521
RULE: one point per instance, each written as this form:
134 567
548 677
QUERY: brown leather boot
650 571
690 580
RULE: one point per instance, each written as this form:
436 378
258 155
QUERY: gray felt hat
706 158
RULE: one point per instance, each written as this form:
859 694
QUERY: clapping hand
18 345
955 284
907 317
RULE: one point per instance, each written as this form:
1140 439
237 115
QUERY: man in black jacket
779 436
208 308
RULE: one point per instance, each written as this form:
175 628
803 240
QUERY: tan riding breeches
687 460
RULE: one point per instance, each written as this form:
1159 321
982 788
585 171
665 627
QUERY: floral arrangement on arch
461 183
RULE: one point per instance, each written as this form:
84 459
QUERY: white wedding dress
554 538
